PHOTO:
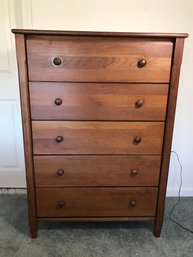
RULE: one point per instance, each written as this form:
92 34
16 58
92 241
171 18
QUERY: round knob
59 139
60 172
57 61
60 204
136 140
141 63
134 172
132 203
58 101
139 103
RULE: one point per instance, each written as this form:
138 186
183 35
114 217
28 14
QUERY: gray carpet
131 239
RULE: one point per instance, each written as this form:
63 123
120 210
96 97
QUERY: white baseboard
12 191
184 192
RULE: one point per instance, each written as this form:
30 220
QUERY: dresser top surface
99 33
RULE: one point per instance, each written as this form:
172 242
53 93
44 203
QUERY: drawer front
88 101
95 59
85 202
121 170
76 137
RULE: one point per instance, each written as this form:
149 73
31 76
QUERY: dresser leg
33 225
158 227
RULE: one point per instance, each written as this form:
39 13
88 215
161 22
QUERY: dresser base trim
102 219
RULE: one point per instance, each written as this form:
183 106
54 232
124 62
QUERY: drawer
94 59
97 170
92 101
85 202
76 137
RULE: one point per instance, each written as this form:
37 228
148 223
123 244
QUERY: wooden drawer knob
132 203
141 63
60 172
134 172
59 139
58 101
57 61
60 204
139 103
137 140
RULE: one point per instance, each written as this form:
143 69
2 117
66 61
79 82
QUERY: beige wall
138 16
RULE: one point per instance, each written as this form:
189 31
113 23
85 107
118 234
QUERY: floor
131 239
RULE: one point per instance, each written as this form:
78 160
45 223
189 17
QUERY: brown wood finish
177 59
98 219
97 137
94 59
101 33
88 101
24 94
97 170
98 145
98 201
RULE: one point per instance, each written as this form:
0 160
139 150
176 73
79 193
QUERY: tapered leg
33 225
158 227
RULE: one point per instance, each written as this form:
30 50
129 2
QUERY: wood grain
26 124
29 33
97 137
97 80
167 142
97 59
96 201
97 219
97 170
97 101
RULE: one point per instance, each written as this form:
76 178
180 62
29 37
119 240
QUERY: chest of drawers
98 112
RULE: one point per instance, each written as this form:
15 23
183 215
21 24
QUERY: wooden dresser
98 113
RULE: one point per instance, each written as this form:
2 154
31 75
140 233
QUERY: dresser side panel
26 123
167 142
